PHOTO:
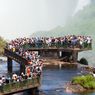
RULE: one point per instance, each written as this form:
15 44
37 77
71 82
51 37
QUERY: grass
87 81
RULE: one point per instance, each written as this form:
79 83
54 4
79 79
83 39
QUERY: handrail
15 56
20 86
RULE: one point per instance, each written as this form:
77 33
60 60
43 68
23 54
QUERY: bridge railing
20 86
57 45
15 56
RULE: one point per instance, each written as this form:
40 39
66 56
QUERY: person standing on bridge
14 77
1 82
28 71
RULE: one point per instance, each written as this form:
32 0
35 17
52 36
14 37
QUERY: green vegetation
87 81
2 45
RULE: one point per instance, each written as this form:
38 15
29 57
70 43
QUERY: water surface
53 80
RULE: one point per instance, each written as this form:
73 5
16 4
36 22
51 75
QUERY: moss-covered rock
81 84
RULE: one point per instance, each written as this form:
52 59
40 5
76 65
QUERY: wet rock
75 88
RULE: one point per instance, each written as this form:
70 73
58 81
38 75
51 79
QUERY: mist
19 18
80 5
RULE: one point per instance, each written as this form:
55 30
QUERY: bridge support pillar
33 91
9 65
75 56
22 68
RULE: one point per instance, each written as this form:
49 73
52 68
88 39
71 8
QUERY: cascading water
81 4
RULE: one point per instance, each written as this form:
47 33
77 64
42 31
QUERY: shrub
87 81
89 85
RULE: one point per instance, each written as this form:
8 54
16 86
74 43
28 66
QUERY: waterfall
81 4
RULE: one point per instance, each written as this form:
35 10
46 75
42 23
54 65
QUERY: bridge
31 83
28 84
13 56
55 52
44 53
60 53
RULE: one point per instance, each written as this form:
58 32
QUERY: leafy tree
2 45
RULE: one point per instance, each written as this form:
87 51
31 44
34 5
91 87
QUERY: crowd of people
20 46
42 42
35 63
17 78
33 70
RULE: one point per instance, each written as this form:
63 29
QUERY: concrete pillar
33 91
9 65
75 56
22 68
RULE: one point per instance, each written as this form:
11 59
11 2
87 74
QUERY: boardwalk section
30 78
16 87
13 56
26 52
66 54
66 47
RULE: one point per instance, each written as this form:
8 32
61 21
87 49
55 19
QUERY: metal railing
57 45
15 56
20 86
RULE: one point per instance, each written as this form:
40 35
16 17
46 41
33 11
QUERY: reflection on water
53 81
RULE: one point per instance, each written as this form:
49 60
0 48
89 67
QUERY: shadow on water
52 82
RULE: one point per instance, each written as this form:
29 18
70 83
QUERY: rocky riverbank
80 84
72 88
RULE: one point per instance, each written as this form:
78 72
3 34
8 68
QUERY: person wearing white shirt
93 74
1 82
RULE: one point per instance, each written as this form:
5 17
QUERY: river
53 80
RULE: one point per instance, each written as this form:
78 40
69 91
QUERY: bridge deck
16 87
22 60
15 57
59 49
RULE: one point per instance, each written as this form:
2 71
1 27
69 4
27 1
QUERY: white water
81 4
